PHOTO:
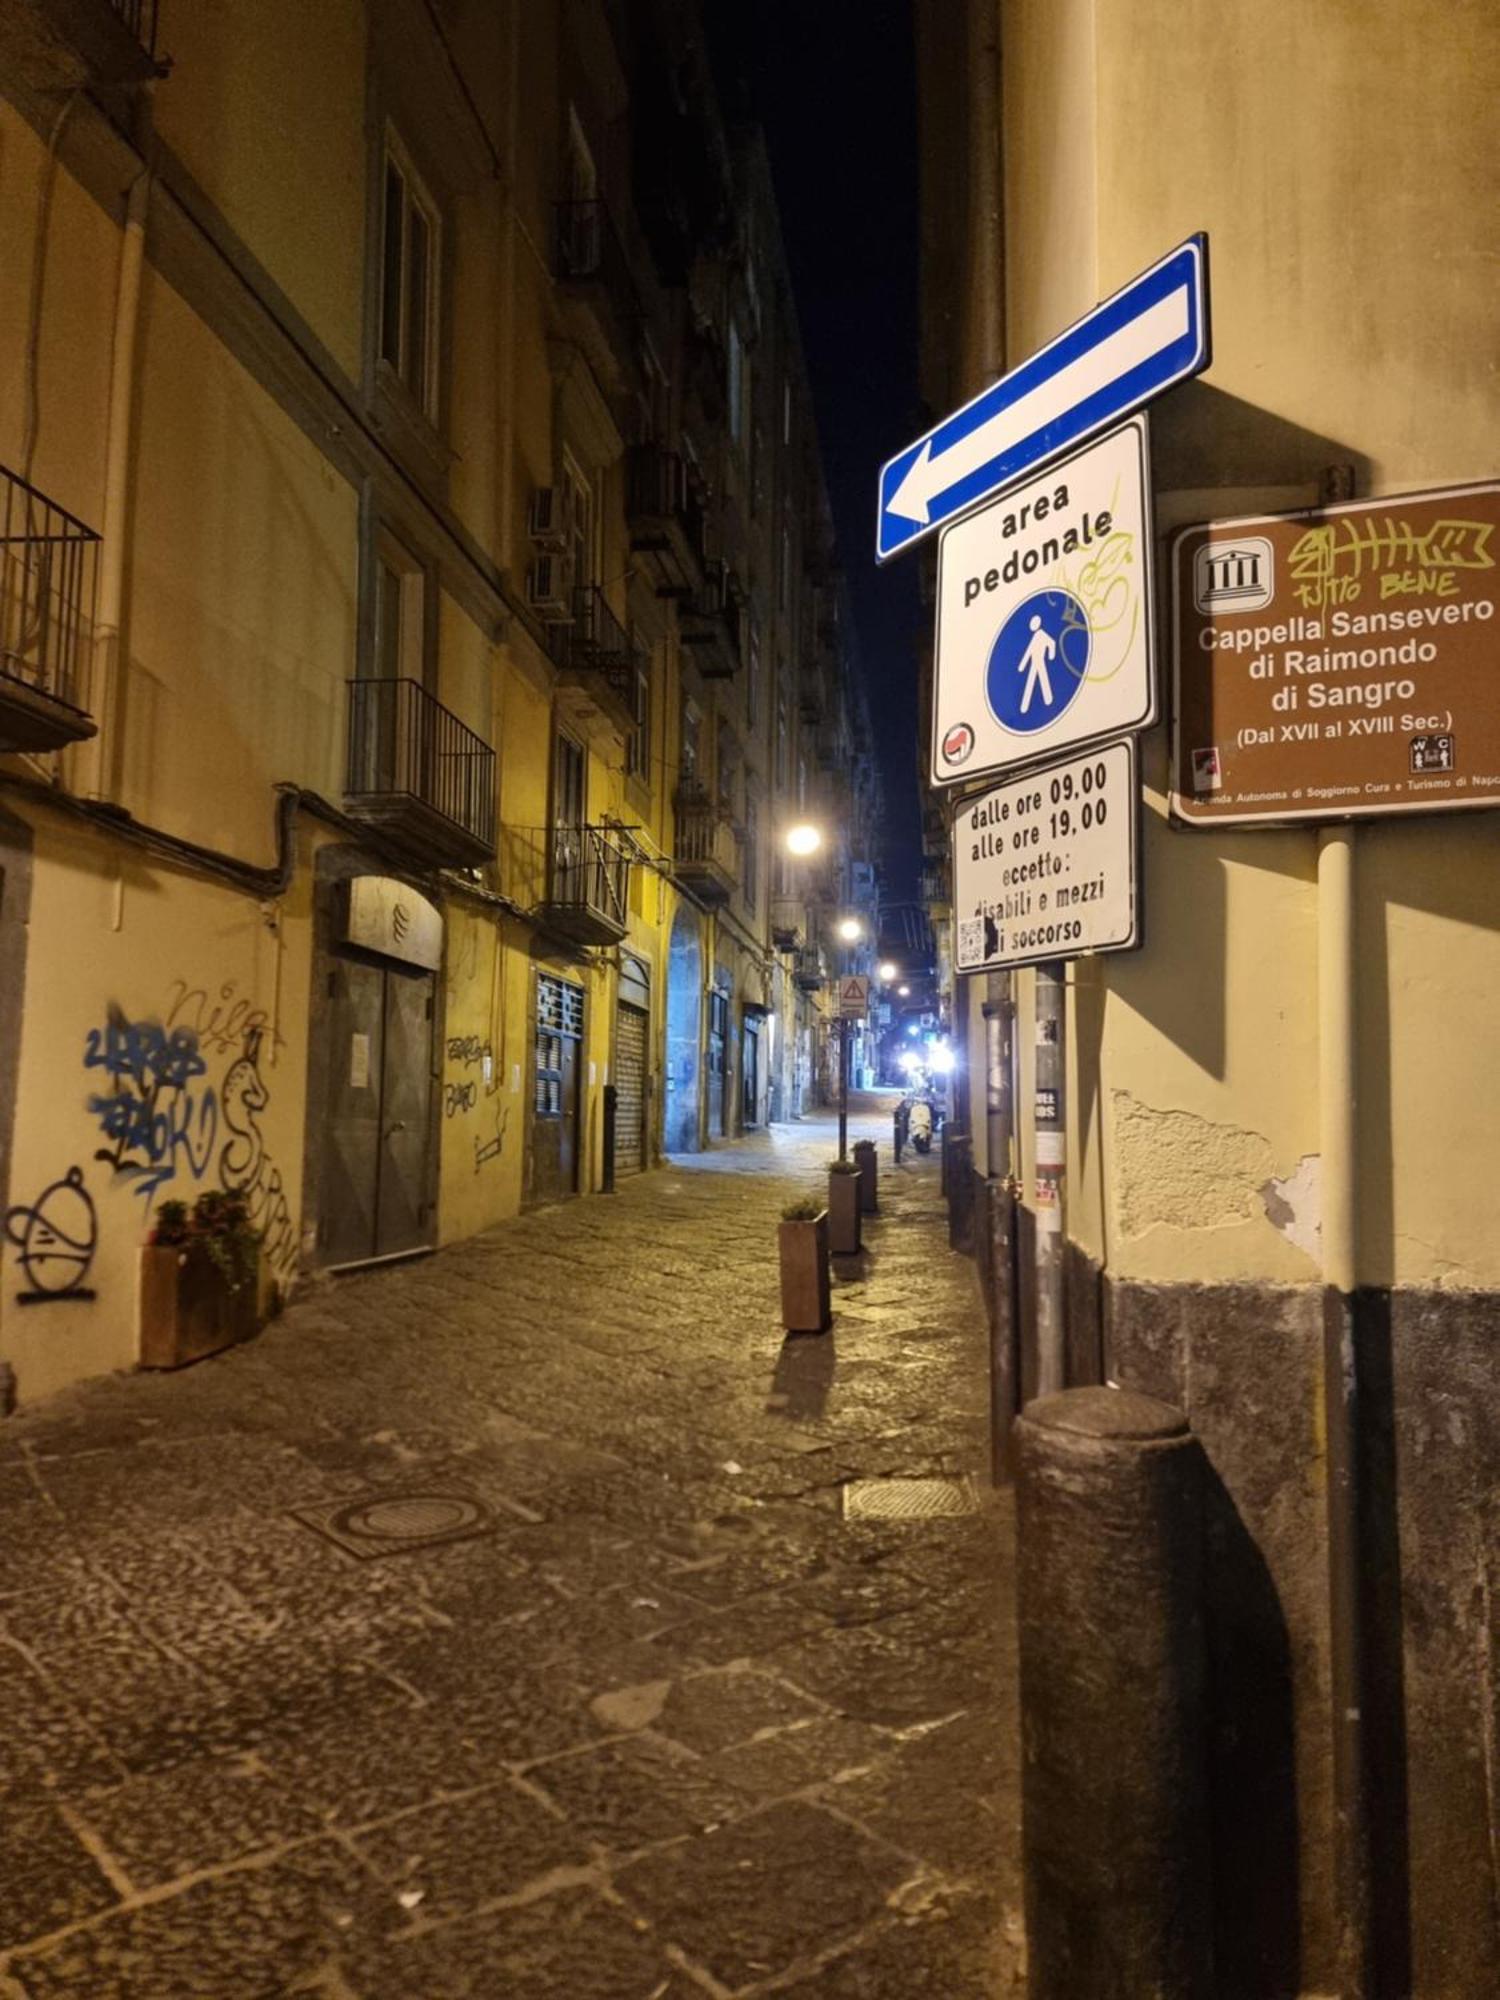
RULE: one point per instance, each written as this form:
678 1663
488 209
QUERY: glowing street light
904 992
803 840
887 973
851 930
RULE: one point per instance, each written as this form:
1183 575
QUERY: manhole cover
907 1499
390 1524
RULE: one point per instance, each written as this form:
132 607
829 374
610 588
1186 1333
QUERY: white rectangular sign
854 997
1045 865
1044 614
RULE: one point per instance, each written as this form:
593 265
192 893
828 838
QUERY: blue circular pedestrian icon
1038 662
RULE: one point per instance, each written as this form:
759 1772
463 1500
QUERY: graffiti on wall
223 1023
245 1166
486 1150
159 1119
55 1237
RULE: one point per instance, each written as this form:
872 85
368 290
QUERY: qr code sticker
970 940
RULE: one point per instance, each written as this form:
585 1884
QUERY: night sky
832 85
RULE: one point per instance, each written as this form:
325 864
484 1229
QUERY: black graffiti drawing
246 1168
158 1118
55 1237
459 1097
469 1050
486 1150
221 1024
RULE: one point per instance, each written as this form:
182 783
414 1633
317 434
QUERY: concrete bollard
864 1159
1113 1730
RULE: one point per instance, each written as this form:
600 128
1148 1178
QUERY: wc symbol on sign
1038 662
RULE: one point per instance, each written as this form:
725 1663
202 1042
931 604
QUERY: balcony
48 564
594 275
706 859
596 661
419 776
588 886
711 624
788 922
81 44
809 972
666 519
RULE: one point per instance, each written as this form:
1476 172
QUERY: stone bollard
958 1152
1113 1731
864 1159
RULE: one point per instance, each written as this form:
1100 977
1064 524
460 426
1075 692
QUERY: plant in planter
802 1239
200 1280
864 1159
843 1207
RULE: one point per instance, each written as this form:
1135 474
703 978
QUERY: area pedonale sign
1339 663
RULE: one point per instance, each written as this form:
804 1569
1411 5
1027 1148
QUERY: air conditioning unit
548 524
549 589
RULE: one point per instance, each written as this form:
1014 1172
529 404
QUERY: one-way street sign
1150 334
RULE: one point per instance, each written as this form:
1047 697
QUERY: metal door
750 1072
554 1125
630 1089
718 1036
373 1196
405 1102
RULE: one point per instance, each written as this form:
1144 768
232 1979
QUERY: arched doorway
684 1004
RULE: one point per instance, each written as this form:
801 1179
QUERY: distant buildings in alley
420 624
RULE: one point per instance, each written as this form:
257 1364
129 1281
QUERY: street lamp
904 992
887 973
851 930
803 840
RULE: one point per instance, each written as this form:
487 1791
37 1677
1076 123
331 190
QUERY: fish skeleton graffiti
55 1236
490 1149
158 1119
245 1167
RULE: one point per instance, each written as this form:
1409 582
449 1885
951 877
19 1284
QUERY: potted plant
843 1207
802 1238
200 1280
864 1159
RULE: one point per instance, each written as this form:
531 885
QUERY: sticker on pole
1044 621
1045 866
854 998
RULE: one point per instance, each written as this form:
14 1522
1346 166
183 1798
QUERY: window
399 648
783 737
750 866
559 1020
410 235
638 743
752 676
581 517
728 768
688 753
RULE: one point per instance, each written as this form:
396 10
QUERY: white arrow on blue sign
1151 333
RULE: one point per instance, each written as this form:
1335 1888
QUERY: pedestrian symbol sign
854 998
1039 661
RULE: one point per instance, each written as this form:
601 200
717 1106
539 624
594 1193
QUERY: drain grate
908 1499
394 1524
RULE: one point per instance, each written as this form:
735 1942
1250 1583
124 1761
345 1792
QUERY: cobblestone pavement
667 1725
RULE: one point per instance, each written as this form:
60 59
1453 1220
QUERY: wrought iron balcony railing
48 573
588 885
587 251
419 773
712 623
595 645
667 520
706 855
139 16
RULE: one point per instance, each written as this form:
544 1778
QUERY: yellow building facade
414 551
1335 157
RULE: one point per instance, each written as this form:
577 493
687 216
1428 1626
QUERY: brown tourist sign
1338 663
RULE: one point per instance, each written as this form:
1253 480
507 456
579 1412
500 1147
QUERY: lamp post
851 930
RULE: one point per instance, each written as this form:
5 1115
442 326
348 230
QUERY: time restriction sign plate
1046 865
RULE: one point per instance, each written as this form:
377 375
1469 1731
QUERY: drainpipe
1338 1142
100 759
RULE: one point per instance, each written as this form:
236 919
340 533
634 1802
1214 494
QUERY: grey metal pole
999 1106
997 1245
1051 1175
843 1088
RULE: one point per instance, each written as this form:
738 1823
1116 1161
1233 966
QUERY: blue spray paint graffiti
158 1119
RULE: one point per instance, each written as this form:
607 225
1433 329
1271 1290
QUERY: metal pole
1338 1138
999 1106
1051 1175
843 1087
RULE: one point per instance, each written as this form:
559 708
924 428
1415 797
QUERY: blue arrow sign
1150 334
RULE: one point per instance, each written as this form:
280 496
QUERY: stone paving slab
664 1725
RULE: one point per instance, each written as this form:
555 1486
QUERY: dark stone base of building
1245 1363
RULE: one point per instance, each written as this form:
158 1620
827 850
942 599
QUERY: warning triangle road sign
854 995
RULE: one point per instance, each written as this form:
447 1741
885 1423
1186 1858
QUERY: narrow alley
505 1623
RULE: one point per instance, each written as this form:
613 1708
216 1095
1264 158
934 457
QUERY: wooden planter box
843 1213
864 1159
805 1302
187 1308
